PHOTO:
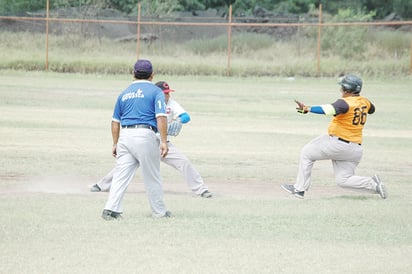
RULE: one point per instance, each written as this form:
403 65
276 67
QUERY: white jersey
173 110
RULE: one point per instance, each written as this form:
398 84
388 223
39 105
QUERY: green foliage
333 7
295 6
159 7
192 5
13 7
380 7
403 8
286 6
127 6
346 41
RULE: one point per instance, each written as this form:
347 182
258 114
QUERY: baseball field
244 138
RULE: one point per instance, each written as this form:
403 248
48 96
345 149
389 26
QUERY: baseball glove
301 108
174 128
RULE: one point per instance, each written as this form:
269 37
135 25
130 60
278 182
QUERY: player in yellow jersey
342 144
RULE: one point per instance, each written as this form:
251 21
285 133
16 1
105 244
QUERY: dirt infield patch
220 188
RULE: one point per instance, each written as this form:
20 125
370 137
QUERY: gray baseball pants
137 147
345 158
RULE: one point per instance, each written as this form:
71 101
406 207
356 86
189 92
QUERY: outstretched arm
322 109
338 107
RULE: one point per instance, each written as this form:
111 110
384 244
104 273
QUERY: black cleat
109 215
95 188
292 190
206 194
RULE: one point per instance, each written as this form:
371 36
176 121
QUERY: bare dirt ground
220 188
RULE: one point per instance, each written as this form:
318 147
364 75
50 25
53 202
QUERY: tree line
379 8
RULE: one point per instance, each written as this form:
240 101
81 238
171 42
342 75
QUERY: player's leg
176 159
147 152
344 169
344 176
126 165
317 149
105 182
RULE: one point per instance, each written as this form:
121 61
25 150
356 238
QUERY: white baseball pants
345 158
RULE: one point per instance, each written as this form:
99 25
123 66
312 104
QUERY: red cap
164 86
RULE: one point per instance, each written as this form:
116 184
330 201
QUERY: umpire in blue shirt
140 112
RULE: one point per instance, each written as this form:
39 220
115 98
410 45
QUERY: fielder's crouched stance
342 144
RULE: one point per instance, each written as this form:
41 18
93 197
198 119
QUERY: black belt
346 141
343 140
141 126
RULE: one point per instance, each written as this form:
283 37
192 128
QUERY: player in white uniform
176 116
342 144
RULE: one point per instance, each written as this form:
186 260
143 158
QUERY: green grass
245 137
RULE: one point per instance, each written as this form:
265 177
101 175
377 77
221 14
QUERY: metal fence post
229 40
47 35
319 40
138 31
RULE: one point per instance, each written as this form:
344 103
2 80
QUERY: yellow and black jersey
350 118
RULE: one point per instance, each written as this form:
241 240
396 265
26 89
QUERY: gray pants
137 148
175 159
345 158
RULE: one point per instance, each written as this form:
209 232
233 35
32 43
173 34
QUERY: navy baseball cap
164 86
144 66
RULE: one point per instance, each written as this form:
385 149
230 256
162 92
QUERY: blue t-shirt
140 103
